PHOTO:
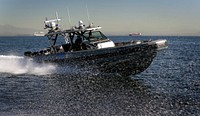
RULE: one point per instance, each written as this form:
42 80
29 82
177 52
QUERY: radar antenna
52 24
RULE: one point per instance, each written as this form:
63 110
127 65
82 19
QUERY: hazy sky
150 17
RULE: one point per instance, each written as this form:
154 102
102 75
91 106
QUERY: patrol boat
87 47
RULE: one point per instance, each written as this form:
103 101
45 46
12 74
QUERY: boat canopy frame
90 34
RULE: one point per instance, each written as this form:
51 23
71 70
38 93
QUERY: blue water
170 86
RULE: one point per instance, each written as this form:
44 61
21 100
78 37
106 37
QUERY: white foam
20 65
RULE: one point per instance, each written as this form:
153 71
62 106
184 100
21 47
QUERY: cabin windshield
95 36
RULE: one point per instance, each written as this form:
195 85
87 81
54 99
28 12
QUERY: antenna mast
88 14
69 18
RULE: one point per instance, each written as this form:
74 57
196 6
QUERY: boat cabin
86 41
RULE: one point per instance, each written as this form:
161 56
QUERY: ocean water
169 87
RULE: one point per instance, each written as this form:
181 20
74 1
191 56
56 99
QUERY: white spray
20 65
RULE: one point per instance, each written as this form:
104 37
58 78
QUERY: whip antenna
69 18
88 14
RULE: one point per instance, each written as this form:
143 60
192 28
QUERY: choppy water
170 86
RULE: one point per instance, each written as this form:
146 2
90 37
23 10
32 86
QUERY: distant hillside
9 30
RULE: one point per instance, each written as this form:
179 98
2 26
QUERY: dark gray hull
124 59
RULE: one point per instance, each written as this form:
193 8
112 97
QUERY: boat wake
19 65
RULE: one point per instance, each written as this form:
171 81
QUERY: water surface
170 86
